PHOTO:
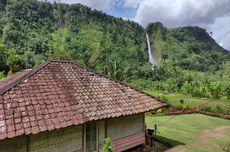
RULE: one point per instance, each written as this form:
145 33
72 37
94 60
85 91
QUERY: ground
192 132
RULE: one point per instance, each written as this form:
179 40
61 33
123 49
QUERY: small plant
187 88
181 101
107 147
207 108
227 92
167 109
218 109
159 110
187 107
163 97
174 109
2 75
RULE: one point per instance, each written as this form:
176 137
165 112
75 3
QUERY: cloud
132 3
221 31
181 12
224 42
95 4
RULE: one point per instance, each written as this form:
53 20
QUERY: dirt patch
207 138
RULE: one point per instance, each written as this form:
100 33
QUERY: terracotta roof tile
57 94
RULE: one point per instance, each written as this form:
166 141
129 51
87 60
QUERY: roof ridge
24 77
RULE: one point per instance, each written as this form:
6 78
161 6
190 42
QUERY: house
63 107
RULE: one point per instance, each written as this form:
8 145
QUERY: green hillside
191 48
33 31
188 58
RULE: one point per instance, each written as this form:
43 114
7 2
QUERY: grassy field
191 101
195 132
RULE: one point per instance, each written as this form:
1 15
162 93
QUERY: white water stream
152 57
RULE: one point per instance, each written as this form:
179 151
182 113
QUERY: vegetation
183 102
107 147
195 131
32 31
190 62
170 80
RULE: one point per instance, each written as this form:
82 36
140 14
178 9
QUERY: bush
2 75
15 62
218 109
227 92
107 147
201 91
215 89
187 88
181 101
206 108
163 97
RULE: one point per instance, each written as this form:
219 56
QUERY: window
91 137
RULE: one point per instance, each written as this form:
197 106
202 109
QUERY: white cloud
225 41
181 12
95 4
132 3
221 31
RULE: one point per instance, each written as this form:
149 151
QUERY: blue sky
121 11
213 15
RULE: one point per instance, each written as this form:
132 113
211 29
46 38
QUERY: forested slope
191 48
33 31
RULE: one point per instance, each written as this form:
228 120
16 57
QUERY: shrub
227 92
159 110
218 109
167 109
187 88
216 89
163 97
181 101
107 147
201 91
177 109
206 108
2 75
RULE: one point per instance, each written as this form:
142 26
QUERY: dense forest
189 60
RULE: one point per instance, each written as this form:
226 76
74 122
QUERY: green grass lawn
188 130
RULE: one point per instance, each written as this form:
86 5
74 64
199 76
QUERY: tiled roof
8 80
57 94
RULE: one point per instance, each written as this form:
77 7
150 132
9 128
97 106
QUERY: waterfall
152 58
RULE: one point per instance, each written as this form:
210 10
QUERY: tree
15 62
107 147
60 55
3 59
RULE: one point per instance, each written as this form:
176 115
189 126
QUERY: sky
213 15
